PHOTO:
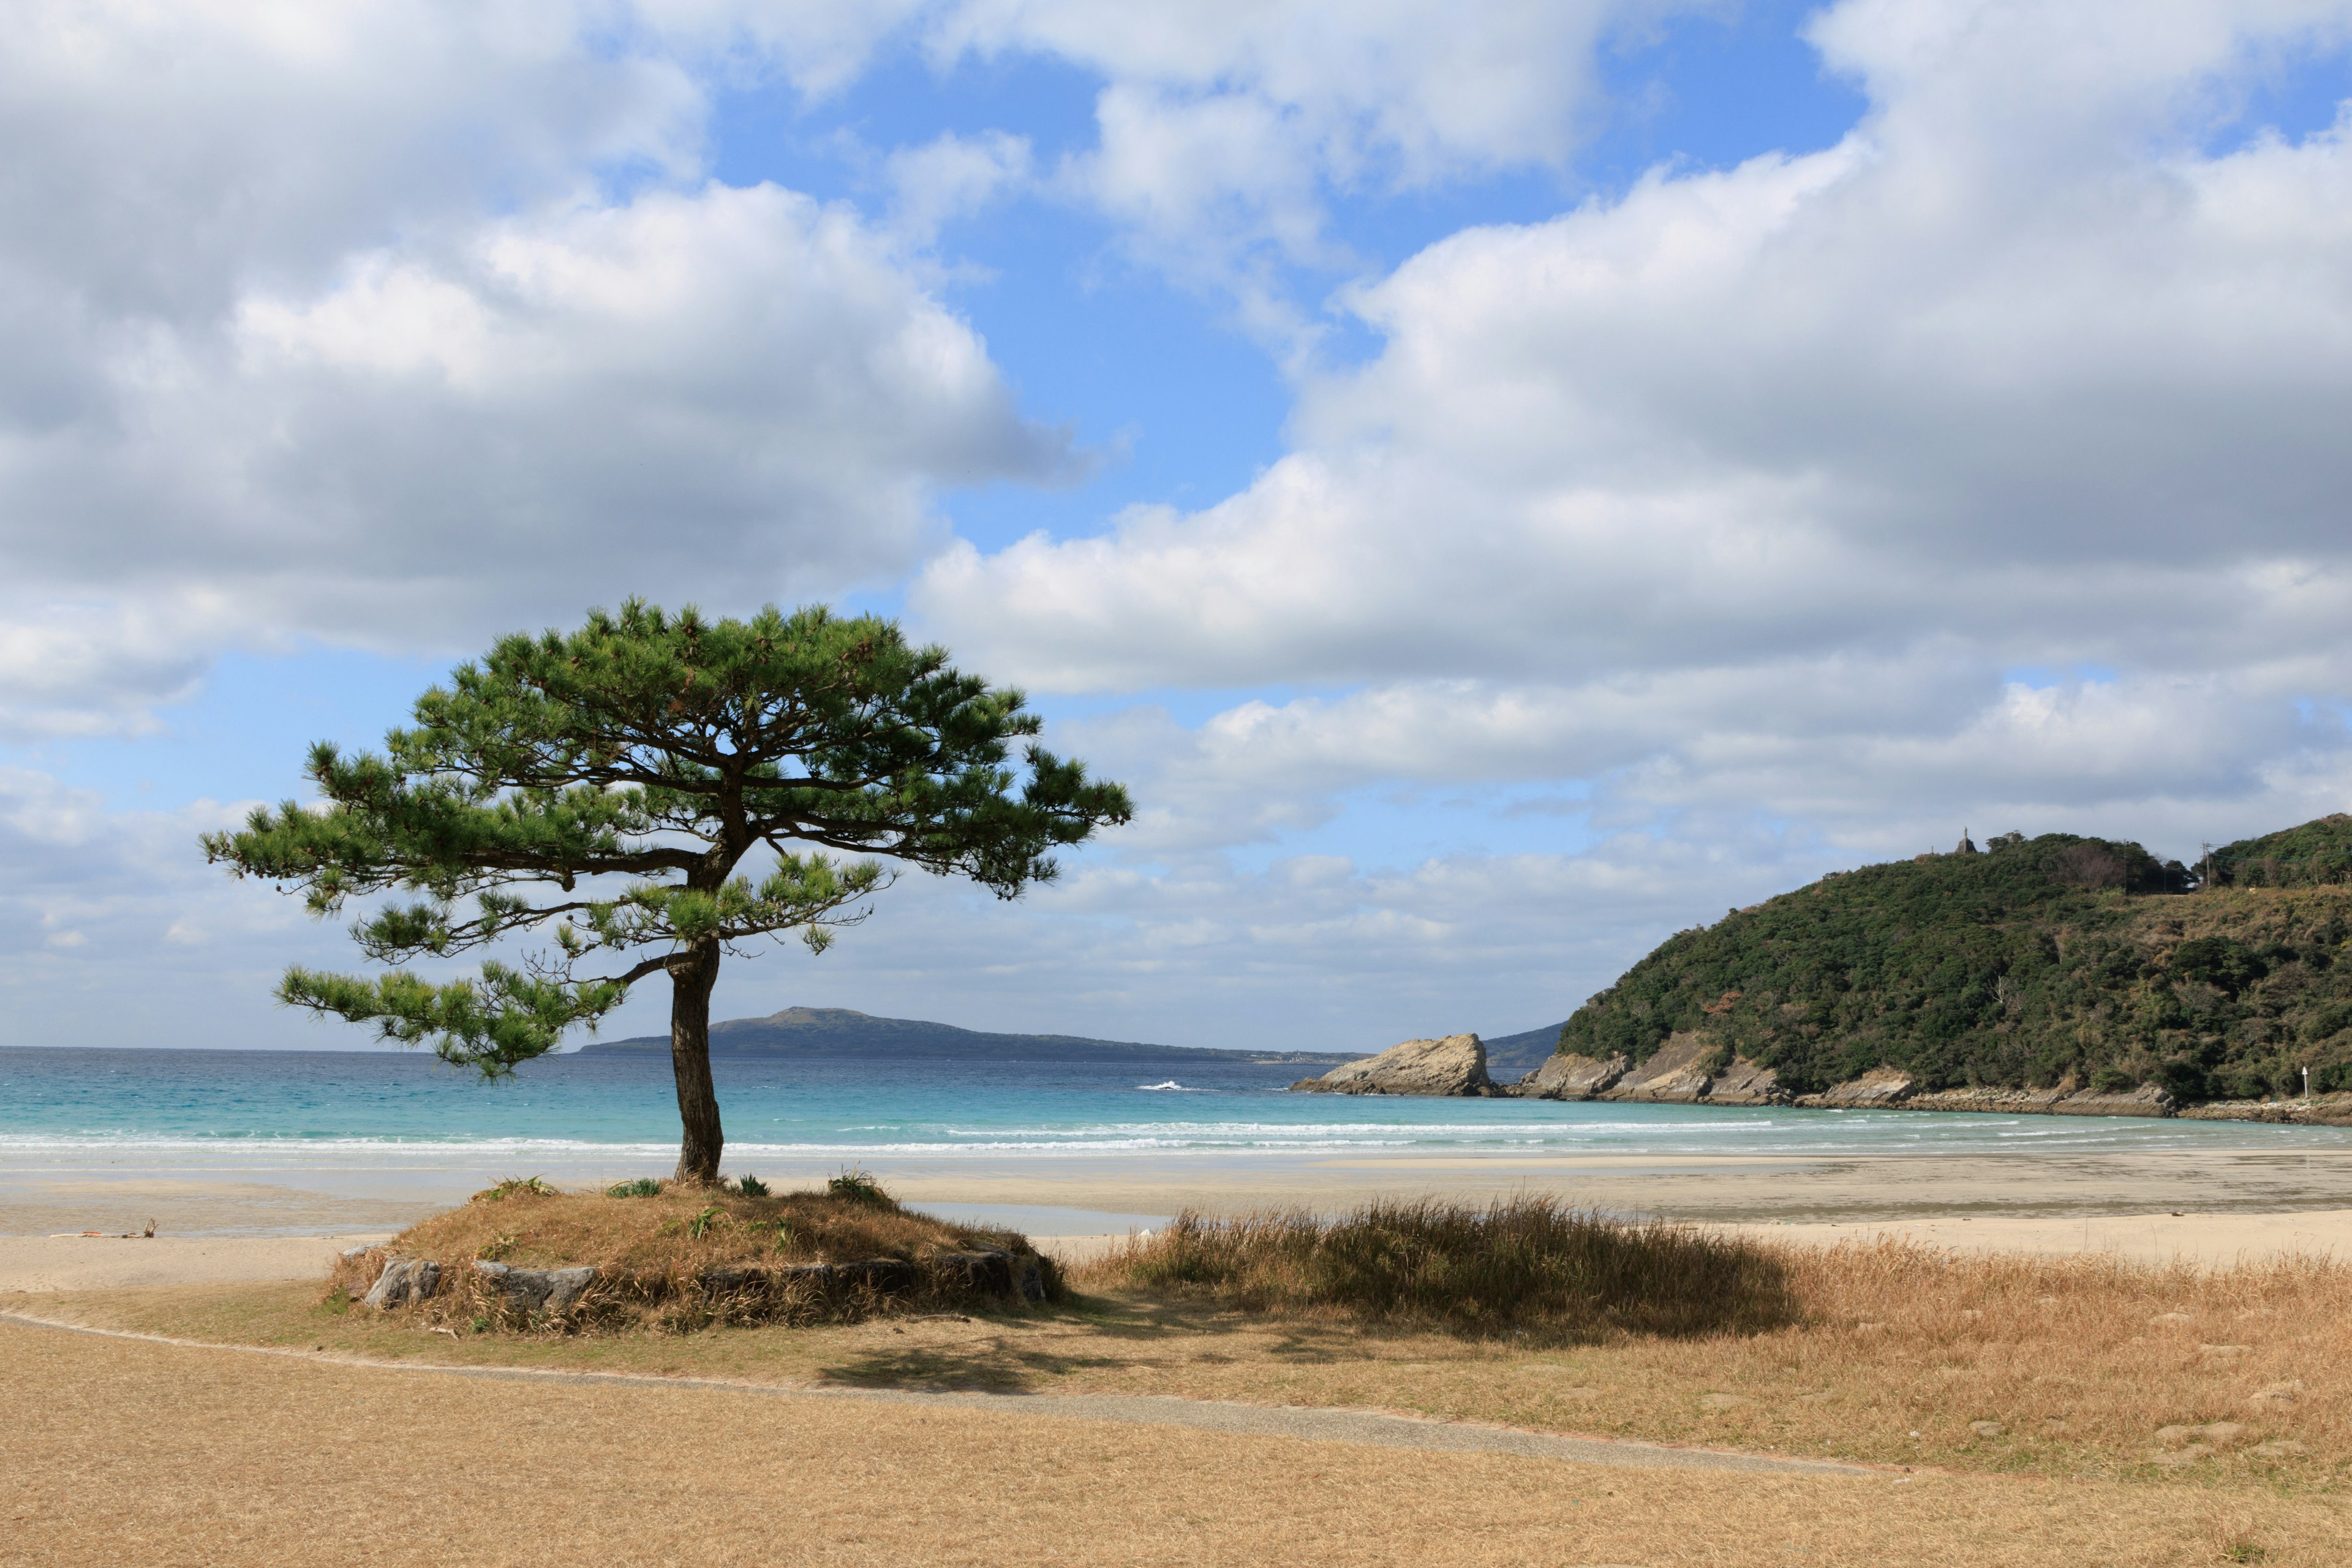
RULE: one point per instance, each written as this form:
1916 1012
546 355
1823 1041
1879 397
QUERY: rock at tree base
404 1279
1572 1078
1454 1065
993 1271
986 1270
535 1290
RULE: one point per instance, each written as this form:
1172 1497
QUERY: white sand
2205 1239
99 1263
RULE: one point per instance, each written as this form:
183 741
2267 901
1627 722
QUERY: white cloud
1755 485
953 177
1311 953
327 323
1225 129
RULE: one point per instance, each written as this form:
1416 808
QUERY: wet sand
1719 1190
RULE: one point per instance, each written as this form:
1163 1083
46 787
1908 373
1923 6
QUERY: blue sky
1501 482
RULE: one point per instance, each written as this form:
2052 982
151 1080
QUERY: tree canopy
601 788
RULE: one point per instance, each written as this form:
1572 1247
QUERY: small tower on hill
1967 846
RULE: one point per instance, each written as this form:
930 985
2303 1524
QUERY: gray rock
2148 1100
2208 1437
1746 1083
1454 1065
534 1289
759 1282
1878 1087
404 1279
883 1276
988 1270
993 1271
1572 1077
1673 1076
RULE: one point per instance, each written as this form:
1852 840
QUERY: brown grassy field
2090 1368
117 1453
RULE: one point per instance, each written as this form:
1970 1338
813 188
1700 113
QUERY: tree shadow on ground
1096 1333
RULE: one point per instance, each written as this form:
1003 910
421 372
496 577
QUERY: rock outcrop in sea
1454 1066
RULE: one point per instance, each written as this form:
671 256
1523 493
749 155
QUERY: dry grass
1886 1351
131 1453
681 1259
2080 1368
1527 1266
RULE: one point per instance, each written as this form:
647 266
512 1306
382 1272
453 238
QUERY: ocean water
319 1111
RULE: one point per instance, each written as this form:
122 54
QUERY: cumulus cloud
1766 480
405 325
1308 952
113 932
1225 131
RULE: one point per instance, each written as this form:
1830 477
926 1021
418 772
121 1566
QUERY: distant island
840 1033
2057 973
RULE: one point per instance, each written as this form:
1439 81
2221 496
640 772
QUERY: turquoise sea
264 1111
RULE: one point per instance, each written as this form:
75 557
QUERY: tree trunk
689 1062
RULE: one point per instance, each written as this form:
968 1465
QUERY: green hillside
2033 962
2316 855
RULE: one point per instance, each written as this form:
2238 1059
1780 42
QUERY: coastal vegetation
2318 854
604 788
1528 1264
2035 963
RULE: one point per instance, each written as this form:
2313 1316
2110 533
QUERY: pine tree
602 789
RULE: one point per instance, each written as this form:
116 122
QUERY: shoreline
1097 1193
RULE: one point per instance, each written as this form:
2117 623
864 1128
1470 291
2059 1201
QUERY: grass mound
1528 1265
679 1259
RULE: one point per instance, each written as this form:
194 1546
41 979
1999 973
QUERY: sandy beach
2218 1207
1776 1190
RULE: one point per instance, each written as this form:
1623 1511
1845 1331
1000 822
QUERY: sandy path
121 1451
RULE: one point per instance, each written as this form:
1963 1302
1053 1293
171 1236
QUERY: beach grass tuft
1526 1266
856 1186
642 1187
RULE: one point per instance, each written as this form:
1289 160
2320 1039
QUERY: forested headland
2031 963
